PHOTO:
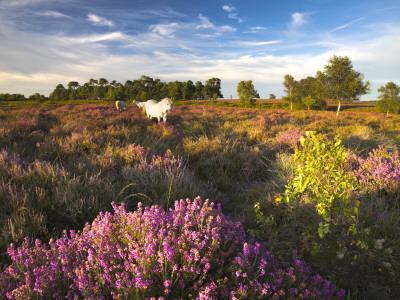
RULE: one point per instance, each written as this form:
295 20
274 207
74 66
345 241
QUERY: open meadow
302 193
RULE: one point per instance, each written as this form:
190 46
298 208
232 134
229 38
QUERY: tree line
339 82
140 89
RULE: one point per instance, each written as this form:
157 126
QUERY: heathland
304 187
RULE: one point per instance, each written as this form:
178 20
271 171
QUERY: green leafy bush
321 178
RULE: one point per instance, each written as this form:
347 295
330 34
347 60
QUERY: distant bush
191 251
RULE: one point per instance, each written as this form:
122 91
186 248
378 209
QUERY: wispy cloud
53 14
298 19
94 38
205 22
217 30
100 21
347 24
256 29
262 43
165 29
228 8
17 3
232 12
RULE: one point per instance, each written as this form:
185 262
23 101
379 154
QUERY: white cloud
16 3
228 8
217 30
298 19
259 43
226 28
235 17
100 21
255 29
205 22
94 38
54 14
165 29
347 24
258 28
232 14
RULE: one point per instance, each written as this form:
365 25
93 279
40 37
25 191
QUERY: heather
190 251
378 172
61 165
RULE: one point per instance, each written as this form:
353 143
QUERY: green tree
37 97
199 90
272 96
101 90
59 93
247 93
340 82
93 82
389 98
73 85
308 101
103 82
188 90
289 83
110 96
175 90
211 87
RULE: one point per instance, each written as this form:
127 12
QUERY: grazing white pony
120 105
155 109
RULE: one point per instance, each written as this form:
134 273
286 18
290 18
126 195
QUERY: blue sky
47 42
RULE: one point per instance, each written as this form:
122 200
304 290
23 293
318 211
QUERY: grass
61 164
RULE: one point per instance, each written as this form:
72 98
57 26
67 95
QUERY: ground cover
61 165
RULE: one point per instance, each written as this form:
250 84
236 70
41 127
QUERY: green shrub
322 179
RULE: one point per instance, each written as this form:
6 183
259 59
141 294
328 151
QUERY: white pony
155 109
120 105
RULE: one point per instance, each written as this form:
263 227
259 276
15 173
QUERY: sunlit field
305 203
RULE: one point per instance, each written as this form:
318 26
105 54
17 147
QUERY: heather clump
191 251
289 140
378 172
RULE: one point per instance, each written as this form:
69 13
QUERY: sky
47 42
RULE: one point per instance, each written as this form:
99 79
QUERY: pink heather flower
167 283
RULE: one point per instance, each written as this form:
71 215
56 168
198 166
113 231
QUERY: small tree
289 83
308 101
214 99
211 87
272 96
110 96
389 98
341 82
247 93
322 179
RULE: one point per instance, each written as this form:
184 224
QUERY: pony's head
141 105
167 103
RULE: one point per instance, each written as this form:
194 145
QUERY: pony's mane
167 100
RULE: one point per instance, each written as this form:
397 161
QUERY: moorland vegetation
322 185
